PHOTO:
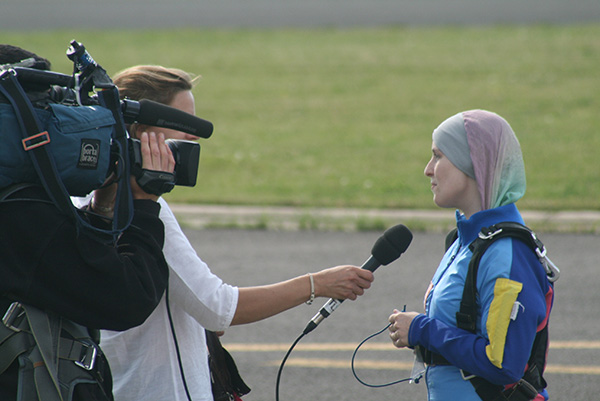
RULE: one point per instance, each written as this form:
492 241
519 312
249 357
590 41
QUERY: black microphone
387 248
159 115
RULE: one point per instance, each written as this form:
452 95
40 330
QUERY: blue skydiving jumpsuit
514 301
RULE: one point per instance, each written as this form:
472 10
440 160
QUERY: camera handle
87 74
151 181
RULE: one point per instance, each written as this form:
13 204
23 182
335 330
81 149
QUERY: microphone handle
371 264
325 311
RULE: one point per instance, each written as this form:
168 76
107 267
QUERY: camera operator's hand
103 201
156 156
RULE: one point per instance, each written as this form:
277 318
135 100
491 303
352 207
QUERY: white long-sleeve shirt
143 359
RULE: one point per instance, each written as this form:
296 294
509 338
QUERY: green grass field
335 118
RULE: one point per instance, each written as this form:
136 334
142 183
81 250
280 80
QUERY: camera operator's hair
10 54
153 82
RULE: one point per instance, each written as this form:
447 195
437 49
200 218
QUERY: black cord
187 391
307 330
283 363
354 371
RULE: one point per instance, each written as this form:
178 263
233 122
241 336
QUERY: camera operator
75 284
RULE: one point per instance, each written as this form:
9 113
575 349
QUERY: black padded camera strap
109 98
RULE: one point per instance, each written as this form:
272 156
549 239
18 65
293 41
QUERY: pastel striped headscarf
483 146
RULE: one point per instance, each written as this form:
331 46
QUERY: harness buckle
466 376
87 358
14 316
489 234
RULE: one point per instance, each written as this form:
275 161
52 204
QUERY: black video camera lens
185 153
187 159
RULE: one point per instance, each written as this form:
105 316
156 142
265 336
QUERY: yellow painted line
343 364
575 344
574 369
270 347
388 365
392 365
306 347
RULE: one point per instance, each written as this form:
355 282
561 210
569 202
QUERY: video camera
75 133
79 90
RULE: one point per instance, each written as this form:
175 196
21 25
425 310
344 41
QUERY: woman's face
451 187
184 101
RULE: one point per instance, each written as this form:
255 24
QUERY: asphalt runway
319 367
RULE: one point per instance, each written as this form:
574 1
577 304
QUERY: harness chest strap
24 327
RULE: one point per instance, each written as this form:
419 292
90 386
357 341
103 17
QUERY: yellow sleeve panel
505 296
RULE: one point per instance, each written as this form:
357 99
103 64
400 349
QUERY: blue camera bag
79 143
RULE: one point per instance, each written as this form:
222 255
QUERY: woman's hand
400 325
156 156
342 282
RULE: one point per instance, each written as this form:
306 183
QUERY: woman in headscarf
477 168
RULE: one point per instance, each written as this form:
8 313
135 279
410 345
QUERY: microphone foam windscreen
158 114
391 244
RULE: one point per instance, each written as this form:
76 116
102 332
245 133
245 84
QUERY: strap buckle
35 141
87 358
14 316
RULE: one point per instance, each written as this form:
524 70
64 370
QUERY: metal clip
13 316
5 73
87 359
541 253
490 234
552 271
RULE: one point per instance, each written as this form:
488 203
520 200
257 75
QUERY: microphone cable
368 384
277 385
387 248
416 380
283 363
